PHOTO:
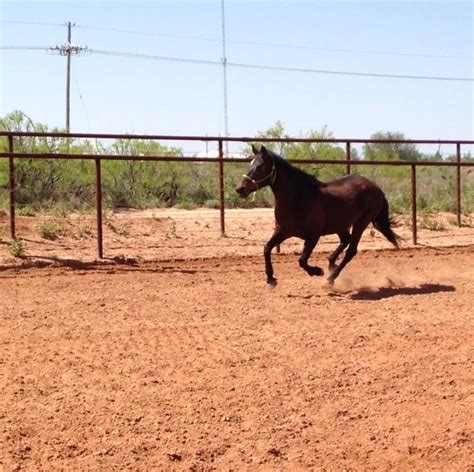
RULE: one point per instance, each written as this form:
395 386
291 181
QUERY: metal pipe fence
220 161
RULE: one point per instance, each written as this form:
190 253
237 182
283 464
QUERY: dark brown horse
308 209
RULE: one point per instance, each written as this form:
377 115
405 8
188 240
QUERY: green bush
60 186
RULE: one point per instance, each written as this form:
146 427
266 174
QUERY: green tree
309 150
137 182
46 183
390 151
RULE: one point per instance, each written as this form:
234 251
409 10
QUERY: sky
151 95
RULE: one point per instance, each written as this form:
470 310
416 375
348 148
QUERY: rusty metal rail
11 155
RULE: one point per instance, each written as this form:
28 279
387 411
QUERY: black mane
297 174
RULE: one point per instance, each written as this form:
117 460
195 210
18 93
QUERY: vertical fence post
413 204
221 187
348 157
98 195
11 187
458 182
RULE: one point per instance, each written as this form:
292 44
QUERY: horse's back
350 182
347 200
352 188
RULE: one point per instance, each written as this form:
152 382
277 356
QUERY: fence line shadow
107 265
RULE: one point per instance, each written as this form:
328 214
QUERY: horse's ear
263 149
254 149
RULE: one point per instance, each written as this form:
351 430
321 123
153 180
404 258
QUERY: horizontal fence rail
234 160
221 160
230 139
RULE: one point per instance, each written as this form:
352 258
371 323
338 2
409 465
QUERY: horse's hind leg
309 245
345 238
357 231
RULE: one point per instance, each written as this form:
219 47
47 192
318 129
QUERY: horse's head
261 172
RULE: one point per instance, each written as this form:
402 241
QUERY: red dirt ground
173 355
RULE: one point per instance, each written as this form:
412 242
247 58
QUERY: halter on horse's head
261 172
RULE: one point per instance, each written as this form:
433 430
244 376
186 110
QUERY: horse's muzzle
245 188
242 191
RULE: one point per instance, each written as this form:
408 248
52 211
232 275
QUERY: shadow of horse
387 292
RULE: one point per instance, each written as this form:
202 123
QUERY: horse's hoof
316 271
272 283
329 282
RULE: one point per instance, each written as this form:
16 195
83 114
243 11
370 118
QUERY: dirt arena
172 354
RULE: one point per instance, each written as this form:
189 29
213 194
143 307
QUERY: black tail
384 224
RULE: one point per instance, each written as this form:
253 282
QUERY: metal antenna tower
68 49
224 70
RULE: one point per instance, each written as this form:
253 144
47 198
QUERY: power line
277 45
149 33
32 48
252 43
153 57
83 103
356 74
254 66
36 23
279 68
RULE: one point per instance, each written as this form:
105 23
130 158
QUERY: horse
307 208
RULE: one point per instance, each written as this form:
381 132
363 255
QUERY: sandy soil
171 354
165 234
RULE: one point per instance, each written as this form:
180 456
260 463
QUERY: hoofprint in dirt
196 365
163 234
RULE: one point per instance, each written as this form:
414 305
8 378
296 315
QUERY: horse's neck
279 184
284 188
287 181
294 194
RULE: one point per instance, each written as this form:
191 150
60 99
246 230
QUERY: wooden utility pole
68 50
68 79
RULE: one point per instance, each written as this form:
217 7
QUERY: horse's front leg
277 238
309 245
